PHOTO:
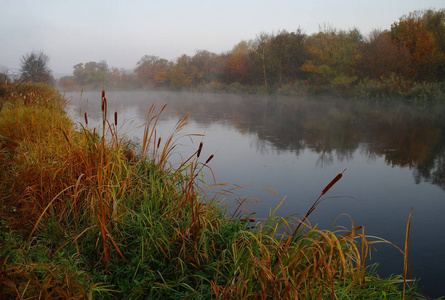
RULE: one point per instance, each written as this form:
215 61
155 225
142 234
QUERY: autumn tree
67 82
381 58
224 69
34 67
153 71
239 62
208 65
116 75
184 73
411 32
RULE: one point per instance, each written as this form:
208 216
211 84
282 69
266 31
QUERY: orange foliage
411 33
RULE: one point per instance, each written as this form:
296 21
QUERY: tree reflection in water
404 134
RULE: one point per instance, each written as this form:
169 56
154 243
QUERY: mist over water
278 147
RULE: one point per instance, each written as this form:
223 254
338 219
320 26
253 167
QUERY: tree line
412 49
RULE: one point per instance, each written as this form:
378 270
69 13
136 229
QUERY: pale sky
121 32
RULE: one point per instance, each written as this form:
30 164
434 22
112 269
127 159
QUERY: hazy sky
121 32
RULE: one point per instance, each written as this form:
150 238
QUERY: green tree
435 24
34 67
92 73
334 56
287 53
4 78
80 74
262 50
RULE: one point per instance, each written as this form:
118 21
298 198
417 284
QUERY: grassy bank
85 216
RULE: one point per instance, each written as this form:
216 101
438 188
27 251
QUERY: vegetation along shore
83 215
405 61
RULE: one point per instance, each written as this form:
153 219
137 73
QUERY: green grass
80 219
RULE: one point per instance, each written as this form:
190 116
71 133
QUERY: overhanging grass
81 217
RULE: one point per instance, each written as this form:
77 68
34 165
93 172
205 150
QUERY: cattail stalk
405 253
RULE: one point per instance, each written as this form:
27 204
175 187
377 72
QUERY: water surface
276 147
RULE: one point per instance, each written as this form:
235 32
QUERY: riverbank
84 216
390 88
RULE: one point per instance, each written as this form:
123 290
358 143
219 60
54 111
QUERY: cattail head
159 142
104 103
209 159
115 118
103 94
199 150
334 181
86 118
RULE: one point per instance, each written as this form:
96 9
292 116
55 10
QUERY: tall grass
396 87
85 215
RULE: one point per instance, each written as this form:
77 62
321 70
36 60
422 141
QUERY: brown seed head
199 150
104 103
115 118
209 159
334 181
86 118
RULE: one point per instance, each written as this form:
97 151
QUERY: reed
405 253
81 217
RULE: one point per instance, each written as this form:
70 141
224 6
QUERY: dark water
394 155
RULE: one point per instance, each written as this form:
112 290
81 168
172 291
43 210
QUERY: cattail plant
325 190
311 209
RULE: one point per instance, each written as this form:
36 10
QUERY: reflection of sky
382 194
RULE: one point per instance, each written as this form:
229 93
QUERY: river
287 147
